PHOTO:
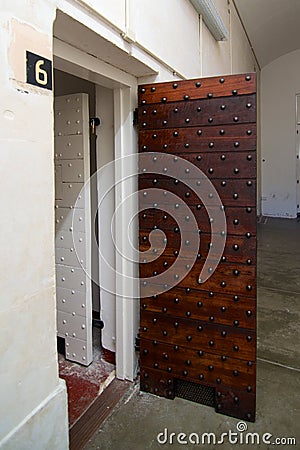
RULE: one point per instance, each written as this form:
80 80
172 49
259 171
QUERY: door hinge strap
135 117
137 342
94 122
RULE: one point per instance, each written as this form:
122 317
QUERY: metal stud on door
73 227
200 333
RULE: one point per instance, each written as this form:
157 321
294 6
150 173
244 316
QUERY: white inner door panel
73 227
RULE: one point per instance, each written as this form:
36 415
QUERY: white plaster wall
112 10
199 54
175 37
216 56
36 431
258 148
172 33
241 54
280 83
28 369
226 57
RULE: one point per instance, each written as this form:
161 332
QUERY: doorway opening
115 100
87 367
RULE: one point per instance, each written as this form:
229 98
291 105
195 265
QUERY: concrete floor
135 424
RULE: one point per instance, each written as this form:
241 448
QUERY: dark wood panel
199 335
231 192
157 382
197 365
217 164
218 111
172 241
239 220
197 143
194 139
225 86
236 403
237 249
227 278
225 309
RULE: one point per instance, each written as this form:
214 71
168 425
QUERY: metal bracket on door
94 122
135 117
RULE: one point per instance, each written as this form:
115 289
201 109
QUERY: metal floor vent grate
195 392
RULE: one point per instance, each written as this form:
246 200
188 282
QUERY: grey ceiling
273 26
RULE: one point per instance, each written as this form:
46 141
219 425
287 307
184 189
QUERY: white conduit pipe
211 18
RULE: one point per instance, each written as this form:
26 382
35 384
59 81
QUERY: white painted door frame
126 271
78 63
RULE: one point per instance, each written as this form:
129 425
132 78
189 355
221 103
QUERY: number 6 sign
39 70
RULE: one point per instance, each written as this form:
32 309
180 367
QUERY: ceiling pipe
212 18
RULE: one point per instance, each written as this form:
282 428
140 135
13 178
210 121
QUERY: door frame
74 61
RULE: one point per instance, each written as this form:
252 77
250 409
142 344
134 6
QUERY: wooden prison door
197 149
